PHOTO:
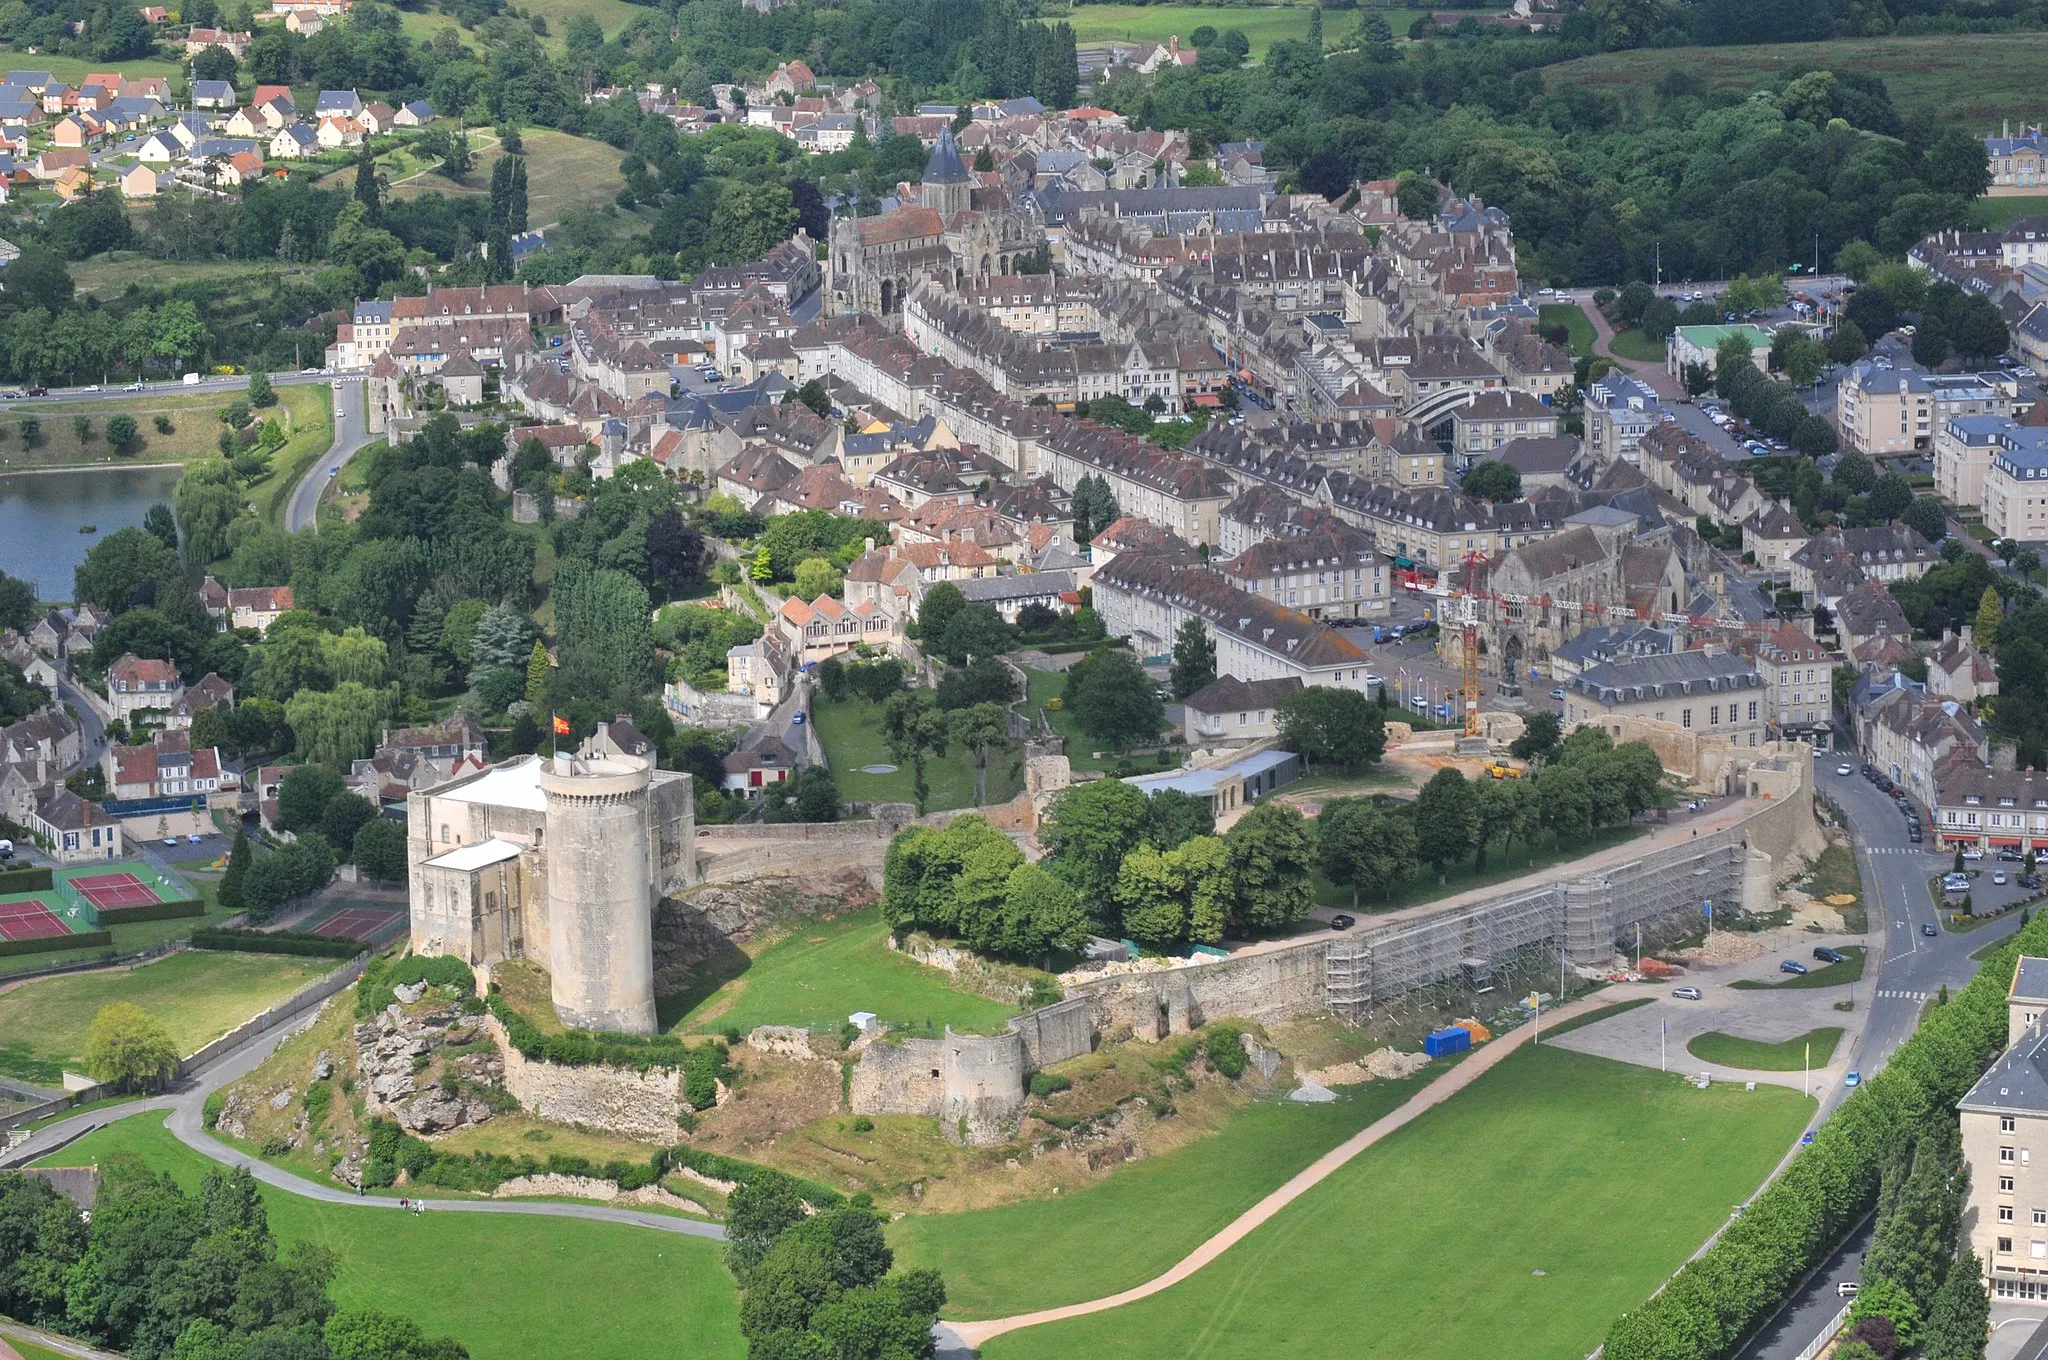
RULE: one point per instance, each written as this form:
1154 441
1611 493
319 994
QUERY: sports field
825 972
496 1282
36 916
196 996
1517 1219
355 920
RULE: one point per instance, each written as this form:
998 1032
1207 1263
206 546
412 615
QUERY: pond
41 514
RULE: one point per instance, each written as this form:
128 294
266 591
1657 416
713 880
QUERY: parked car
1955 882
1686 993
1927 929
1913 834
1557 693
1341 921
1870 772
1973 855
2008 855
1845 769
1846 1289
1999 878
1827 955
2029 881
1792 966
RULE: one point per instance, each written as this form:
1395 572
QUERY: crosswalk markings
1898 850
1904 996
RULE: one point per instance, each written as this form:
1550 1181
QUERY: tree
379 850
1854 475
368 190
31 431
1358 842
985 730
915 730
815 576
126 1047
1732 353
1194 658
1339 728
1857 259
537 675
1446 820
1990 619
1415 197
1961 1314
81 427
1565 800
1848 343
1041 913
1977 330
121 431
1698 379
17 603
941 603
1871 310
1930 342
1270 853
365 1334
814 395
1956 163
1495 481
261 393
817 798
1152 894
1113 699
1889 496
1804 359
1814 436
1174 817
1087 831
751 220
1926 517
1539 739
345 815
303 795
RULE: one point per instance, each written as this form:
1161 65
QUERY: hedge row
91 939
1711 1305
579 1048
257 942
392 1150
154 911
27 879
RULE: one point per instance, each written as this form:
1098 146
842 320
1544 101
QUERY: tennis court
29 919
355 922
111 892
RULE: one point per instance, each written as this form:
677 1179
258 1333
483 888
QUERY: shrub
863 1124
1046 1084
223 939
164 425
276 1145
381 977
577 1048
318 1097
210 1113
1224 1048
702 1068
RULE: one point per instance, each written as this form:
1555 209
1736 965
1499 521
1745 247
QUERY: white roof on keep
468 858
514 785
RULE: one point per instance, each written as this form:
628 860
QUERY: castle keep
561 860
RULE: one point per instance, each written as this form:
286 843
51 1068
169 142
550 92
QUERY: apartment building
2004 1117
1885 409
1712 693
2016 485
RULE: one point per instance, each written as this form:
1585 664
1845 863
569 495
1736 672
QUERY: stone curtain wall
972 1084
1055 1033
618 1099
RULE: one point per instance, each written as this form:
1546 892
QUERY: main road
351 432
1913 967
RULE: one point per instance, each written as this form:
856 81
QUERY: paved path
973 1334
50 1341
351 432
186 1107
1660 382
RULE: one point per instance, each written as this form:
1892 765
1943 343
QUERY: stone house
1230 712
1711 692
1957 670
136 685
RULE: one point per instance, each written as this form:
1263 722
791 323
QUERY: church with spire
954 224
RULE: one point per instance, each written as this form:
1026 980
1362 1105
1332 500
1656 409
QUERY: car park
1844 769
1827 955
1792 966
1686 993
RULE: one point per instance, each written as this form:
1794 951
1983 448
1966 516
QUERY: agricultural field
1571 1185
1971 78
1263 25
1139 1221
1814 1048
197 996
851 733
506 1302
823 973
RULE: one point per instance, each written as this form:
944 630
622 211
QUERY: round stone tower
600 892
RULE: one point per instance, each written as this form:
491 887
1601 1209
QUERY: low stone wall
616 1099
589 1187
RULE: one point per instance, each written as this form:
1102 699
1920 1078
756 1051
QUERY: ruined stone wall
972 1084
615 1099
1055 1033
905 1077
1149 1006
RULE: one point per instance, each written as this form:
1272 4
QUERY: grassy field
1817 974
1974 78
1262 25
132 938
1999 213
1592 1179
1637 346
1141 1220
612 15
1574 319
197 996
1046 686
562 172
824 973
112 274
311 410
1751 1055
505 1302
195 430
851 733
71 70
1423 887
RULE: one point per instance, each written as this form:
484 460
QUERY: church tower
948 188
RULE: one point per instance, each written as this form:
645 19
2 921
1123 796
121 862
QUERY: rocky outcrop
395 1050
788 1041
588 1187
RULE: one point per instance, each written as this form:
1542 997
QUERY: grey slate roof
1658 677
2017 1083
1029 586
945 166
2030 980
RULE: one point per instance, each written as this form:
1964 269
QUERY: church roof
945 166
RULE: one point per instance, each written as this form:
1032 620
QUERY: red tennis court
29 921
355 923
113 891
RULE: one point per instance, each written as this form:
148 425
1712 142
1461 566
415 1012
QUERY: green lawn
1730 1051
1971 79
1156 23
1045 686
71 70
1516 1219
564 171
1637 346
613 15
851 733
507 1286
1423 887
311 423
1849 970
1998 213
113 273
1141 1220
825 972
197 996
1574 319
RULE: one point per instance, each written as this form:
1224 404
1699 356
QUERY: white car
133 387
1374 681
1845 769
1973 854
1998 877
309 370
